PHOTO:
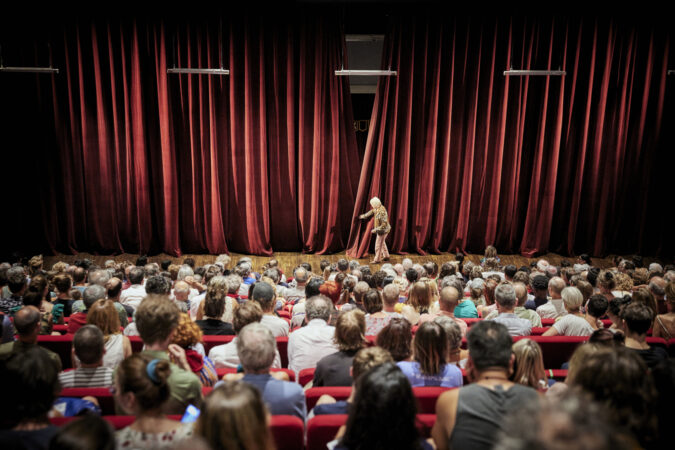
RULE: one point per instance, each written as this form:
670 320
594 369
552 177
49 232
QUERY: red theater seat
223 371
312 395
60 345
103 395
136 344
322 429
214 341
556 349
426 398
471 321
288 432
657 342
63 329
538 331
305 376
282 346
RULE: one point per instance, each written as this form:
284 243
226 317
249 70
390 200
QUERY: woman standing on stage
382 228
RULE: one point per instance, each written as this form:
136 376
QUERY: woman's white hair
375 202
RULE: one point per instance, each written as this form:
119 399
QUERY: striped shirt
87 377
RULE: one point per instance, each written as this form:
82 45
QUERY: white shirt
307 345
552 309
133 295
278 326
225 356
571 325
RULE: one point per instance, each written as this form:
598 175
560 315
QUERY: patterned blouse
381 219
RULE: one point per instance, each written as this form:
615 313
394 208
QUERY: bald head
181 290
27 321
521 293
449 299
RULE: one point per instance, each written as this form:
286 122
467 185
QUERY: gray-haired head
256 347
301 275
92 294
318 307
407 263
183 272
353 264
243 269
100 277
157 284
505 296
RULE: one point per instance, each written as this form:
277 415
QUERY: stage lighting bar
671 72
523 73
366 73
199 71
28 69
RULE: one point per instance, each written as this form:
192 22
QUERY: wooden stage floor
289 260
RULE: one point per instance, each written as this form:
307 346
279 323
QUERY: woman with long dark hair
383 413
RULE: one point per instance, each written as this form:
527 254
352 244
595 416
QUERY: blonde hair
578 357
528 369
490 252
572 298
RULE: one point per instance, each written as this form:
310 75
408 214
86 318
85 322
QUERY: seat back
60 345
105 399
305 376
322 429
312 395
288 432
282 346
213 341
426 398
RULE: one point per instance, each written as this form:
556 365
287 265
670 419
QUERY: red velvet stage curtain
464 157
145 161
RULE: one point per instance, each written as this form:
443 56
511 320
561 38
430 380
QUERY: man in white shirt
448 301
297 293
226 355
309 344
554 308
134 295
264 295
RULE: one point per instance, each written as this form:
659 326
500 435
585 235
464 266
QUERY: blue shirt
450 376
466 310
281 397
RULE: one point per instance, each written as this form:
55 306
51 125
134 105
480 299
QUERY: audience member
309 344
134 295
371 424
471 417
430 353
214 307
616 379
573 323
528 365
63 283
637 320
87 432
31 383
90 296
234 417
263 293
27 324
540 292
397 338
226 355
188 336
89 348
143 388
456 355
257 351
555 307
364 360
334 369
505 296
117 346
17 285
664 325
157 319
447 303
520 310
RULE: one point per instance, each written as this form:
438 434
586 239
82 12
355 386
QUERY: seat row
556 349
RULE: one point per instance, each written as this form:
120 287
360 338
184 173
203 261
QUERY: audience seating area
287 431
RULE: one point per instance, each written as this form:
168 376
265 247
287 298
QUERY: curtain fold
464 157
142 161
